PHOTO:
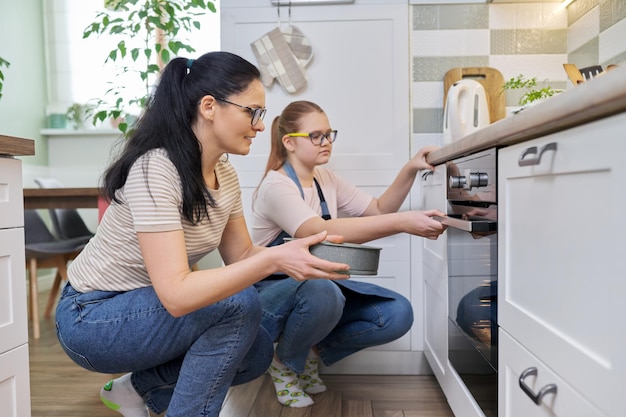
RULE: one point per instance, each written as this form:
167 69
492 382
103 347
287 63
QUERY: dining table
65 197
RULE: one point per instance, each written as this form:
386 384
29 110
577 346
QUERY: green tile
451 17
579 8
586 55
614 59
611 12
431 68
425 17
528 41
428 120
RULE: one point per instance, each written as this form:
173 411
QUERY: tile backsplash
533 39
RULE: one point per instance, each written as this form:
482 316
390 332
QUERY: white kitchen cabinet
14 370
561 280
435 273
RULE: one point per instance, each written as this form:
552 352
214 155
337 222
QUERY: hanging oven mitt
283 56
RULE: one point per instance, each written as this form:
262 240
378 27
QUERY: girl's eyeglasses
317 138
256 113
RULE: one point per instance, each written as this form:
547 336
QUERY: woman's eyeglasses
256 113
317 138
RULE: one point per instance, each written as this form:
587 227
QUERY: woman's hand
296 261
418 161
421 223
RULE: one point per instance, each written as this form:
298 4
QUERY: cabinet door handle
530 156
548 389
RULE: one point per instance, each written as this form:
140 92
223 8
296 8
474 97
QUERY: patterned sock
288 390
310 380
119 395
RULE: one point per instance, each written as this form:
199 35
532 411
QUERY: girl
299 198
132 303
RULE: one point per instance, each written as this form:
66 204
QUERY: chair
67 223
43 250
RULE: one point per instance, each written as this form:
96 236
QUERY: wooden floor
59 388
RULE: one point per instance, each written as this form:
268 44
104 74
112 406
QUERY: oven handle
472 226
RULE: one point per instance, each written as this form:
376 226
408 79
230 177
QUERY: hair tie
190 63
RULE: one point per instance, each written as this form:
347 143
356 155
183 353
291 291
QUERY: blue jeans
339 318
184 365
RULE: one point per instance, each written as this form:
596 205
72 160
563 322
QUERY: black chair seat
58 247
67 223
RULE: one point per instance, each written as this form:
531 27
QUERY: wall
533 39
24 93
597 29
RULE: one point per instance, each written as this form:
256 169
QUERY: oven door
472 303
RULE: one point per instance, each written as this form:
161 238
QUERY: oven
472 275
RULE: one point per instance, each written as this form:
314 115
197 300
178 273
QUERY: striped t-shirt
151 201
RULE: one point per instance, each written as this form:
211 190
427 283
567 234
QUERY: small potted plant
531 94
78 113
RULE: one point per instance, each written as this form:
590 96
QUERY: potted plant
7 64
147 31
78 113
532 94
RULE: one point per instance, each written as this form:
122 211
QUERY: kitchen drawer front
561 275
13 317
11 195
14 383
514 359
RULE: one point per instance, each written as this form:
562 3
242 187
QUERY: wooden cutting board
491 79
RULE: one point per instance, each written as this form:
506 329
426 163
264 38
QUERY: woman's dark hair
167 119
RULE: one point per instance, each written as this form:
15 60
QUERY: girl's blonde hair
287 122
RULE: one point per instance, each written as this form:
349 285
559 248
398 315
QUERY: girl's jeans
184 364
335 319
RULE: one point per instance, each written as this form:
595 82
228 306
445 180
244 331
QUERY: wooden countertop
593 100
10 145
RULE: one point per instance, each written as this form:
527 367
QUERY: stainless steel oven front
472 275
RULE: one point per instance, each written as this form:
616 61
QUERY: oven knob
475 179
456 182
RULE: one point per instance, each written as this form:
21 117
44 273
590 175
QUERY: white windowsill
80 132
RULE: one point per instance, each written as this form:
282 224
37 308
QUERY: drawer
13 317
11 194
14 383
514 359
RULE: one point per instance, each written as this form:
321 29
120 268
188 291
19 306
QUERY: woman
332 320
132 304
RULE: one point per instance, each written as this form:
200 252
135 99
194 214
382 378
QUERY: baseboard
372 362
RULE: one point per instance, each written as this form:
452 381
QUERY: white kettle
466 110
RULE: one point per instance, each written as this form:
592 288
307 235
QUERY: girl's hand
418 161
297 262
421 223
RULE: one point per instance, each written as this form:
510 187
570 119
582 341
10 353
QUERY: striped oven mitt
283 56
